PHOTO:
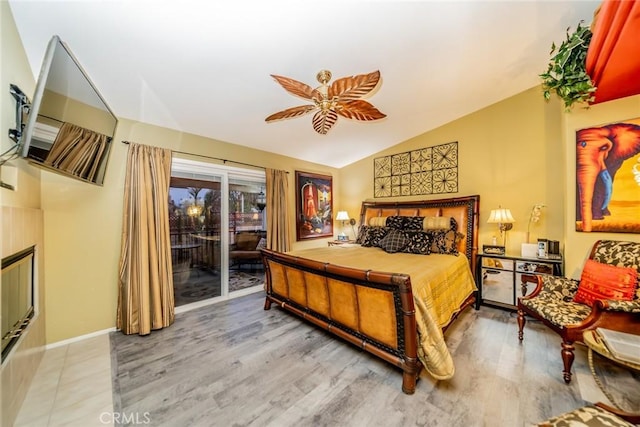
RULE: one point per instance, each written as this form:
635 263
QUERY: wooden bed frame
373 310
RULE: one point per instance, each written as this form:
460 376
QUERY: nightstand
500 277
340 242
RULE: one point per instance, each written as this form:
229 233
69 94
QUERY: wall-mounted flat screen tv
70 127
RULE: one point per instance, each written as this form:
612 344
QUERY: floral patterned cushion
558 312
396 222
587 416
419 242
555 302
372 236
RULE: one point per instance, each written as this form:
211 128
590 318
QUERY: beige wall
515 153
613 111
21 221
509 154
83 226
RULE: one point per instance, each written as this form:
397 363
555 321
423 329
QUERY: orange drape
613 58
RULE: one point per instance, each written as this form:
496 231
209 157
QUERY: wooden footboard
372 310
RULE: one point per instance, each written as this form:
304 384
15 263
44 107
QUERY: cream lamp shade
342 216
500 216
504 219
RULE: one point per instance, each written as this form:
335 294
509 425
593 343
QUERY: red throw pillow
605 281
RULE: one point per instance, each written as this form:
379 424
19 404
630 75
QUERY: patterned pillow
362 231
419 242
262 244
606 282
446 241
373 235
394 241
396 222
405 222
413 222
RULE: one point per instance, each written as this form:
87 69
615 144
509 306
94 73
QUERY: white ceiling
204 67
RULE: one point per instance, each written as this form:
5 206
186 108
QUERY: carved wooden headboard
464 210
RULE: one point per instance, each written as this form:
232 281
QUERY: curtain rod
213 158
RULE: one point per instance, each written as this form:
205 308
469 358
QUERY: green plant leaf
566 74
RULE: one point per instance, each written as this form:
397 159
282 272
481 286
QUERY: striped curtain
278 235
78 151
145 295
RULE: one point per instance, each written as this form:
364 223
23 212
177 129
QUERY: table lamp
342 216
505 221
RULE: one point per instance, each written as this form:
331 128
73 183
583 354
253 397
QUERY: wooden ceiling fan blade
359 110
323 121
354 87
294 87
290 113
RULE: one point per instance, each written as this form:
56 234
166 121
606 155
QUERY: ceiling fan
341 98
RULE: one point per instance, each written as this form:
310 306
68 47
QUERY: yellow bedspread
440 284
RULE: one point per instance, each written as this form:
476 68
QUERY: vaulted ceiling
203 67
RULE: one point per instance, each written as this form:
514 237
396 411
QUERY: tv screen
70 127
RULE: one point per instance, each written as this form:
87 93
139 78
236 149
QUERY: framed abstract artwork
431 170
314 206
608 178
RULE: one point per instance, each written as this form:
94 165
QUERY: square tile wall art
431 170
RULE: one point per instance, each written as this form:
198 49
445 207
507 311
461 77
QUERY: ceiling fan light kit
341 98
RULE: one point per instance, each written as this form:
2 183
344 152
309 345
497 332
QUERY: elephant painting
600 151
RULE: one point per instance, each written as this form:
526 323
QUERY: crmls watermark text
123 418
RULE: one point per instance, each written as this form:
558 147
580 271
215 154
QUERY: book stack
622 345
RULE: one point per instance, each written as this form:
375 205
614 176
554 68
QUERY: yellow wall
84 226
22 222
514 153
578 243
509 154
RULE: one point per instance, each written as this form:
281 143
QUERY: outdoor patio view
195 222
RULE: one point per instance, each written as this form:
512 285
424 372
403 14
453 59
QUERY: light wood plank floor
233 363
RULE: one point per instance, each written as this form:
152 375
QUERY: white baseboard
79 338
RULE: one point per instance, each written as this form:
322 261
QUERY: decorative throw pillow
378 221
413 222
394 241
373 235
262 244
396 222
436 223
419 242
446 241
607 282
362 231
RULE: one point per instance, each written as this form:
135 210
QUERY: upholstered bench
598 415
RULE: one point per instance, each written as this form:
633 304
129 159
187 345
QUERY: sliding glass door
216 224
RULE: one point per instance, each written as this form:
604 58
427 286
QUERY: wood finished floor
234 364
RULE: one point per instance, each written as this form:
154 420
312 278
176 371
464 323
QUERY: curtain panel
278 235
145 295
613 58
